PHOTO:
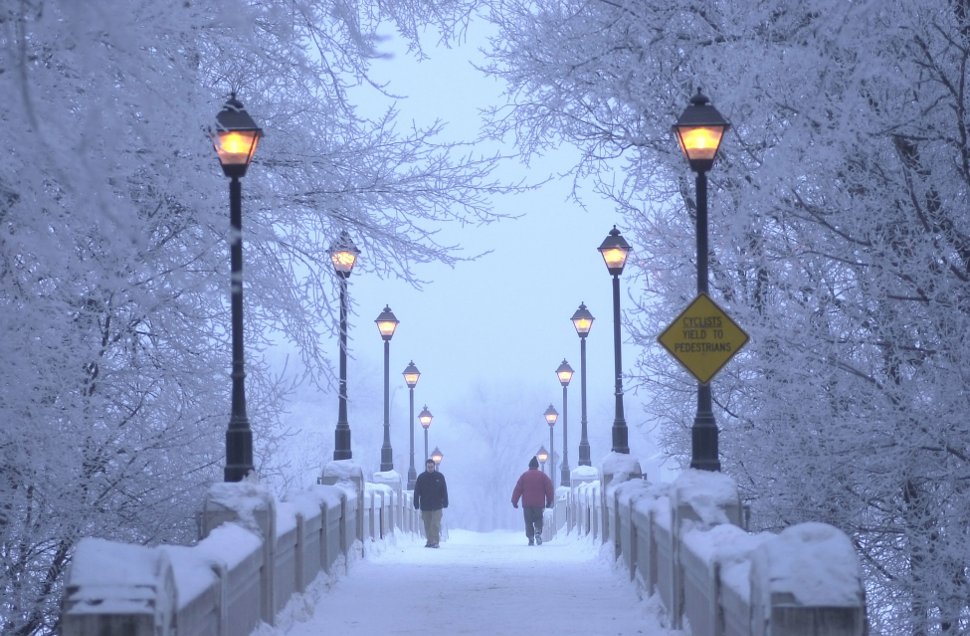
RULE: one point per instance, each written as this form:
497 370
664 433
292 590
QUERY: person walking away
430 497
535 489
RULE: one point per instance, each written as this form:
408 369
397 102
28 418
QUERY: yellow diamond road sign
703 338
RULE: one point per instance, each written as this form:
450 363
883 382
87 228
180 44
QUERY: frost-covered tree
114 247
839 242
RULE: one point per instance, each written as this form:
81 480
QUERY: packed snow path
476 583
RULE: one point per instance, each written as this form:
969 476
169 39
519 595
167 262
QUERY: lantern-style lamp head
542 455
235 138
699 131
564 373
436 456
582 320
411 375
615 249
343 255
551 415
425 417
387 323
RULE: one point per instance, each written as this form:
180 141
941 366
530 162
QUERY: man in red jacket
535 489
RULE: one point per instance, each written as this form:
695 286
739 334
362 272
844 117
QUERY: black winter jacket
430 491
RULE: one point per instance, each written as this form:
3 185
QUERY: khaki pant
432 525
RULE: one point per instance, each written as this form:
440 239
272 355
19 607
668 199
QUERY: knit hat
533 463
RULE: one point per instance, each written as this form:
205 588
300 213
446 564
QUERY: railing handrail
681 541
684 542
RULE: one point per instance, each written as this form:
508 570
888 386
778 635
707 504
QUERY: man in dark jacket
430 496
535 489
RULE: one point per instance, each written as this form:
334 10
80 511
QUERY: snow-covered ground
476 583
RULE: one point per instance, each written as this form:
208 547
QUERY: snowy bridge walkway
476 583
257 569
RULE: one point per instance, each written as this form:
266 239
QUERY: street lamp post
411 375
565 374
235 139
542 455
386 324
615 251
425 418
343 255
583 321
551 416
699 131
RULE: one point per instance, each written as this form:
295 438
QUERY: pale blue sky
506 314
501 321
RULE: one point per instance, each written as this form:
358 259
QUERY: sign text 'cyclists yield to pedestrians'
703 338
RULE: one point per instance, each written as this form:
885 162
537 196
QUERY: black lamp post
387 324
699 131
425 418
235 139
542 455
583 321
343 255
551 416
565 374
615 251
411 375
436 457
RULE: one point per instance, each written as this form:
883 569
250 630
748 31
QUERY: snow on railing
683 542
680 541
254 555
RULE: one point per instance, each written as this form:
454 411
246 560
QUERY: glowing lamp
235 138
699 131
582 320
551 415
425 417
542 455
343 255
615 250
387 323
564 373
411 375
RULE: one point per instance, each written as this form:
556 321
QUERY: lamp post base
620 438
239 463
387 463
341 443
704 443
584 454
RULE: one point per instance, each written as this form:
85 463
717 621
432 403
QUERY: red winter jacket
535 489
